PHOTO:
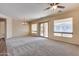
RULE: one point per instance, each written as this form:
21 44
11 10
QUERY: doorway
3 49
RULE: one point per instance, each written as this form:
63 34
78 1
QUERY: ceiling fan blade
56 3
60 6
51 4
47 8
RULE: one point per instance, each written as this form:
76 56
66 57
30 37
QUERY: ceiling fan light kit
54 7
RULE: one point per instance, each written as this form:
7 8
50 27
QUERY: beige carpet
37 46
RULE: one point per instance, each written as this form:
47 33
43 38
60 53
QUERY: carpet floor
37 46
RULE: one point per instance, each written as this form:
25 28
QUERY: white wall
9 28
15 28
18 29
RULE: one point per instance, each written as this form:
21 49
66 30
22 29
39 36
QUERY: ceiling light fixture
24 22
54 7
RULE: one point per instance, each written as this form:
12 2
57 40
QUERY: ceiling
31 11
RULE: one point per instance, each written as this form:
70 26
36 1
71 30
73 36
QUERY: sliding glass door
41 29
44 29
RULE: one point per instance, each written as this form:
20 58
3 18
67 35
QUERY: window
63 27
34 28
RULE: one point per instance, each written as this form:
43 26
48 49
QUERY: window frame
36 28
62 33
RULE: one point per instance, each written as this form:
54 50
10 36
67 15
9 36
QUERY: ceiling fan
54 6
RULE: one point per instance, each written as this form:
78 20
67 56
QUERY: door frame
4 20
